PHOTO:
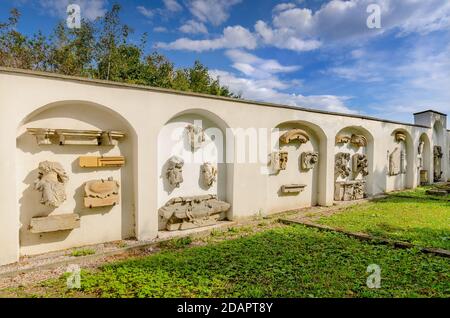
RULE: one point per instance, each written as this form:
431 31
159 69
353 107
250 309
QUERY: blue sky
310 53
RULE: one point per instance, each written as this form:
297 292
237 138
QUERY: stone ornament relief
394 162
342 165
101 193
309 160
185 213
278 160
356 140
420 153
292 188
209 174
400 136
294 134
360 165
196 136
350 190
47 136
51 183
437 160
174 171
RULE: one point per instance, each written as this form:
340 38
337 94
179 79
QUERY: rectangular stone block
55 223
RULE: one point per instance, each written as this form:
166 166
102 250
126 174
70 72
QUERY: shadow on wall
99 224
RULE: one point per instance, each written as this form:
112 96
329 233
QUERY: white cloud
253 66
215 12
284 38
193 27
262 90
90 9
148 13
172 5
160 29
233 37
283 6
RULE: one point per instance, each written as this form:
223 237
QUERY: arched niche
400 157
97 225
174 141
354 163
299 140
424 160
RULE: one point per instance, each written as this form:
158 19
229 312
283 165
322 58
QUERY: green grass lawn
410 216
287 261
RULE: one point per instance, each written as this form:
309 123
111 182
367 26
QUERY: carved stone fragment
343 139
101 162
360 165
47 136
196 136
394 162
191 212
400 136
358 140
350 190
209 174
309 160
101 193
437 160
342 165
295 134
175 171
420 153
293 188
54 223
51 183
278 160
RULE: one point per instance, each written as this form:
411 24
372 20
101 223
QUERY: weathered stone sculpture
341 165
350 190
175 171
309 160
394 162
360 165
47 136
278 160
358 140
437 159
400 136
101 193
295 134
343 139
191 212
420 153
292 188
209 174
51 183
196 136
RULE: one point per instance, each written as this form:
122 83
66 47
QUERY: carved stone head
175 171
209 174
51 183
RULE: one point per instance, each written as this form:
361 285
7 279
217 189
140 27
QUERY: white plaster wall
145 112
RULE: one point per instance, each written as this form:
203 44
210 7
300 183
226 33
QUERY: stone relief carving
47 136
293 188
209 174
437 159
100 193
51 183
294 134
420 153
356 140
400 136
309 160
394 162
278 160
174 171
341 165
191 212
350 190
101 162
196 136
402 162
360 165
